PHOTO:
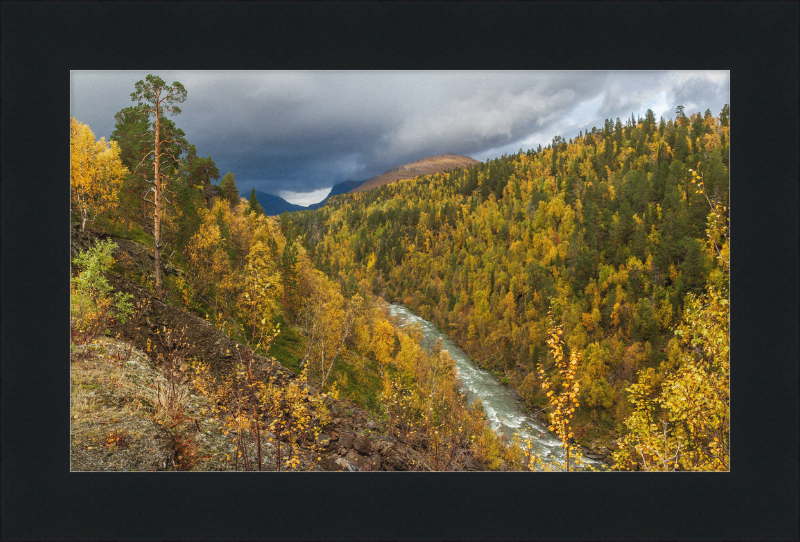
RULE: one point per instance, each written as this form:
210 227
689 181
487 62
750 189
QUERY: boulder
383 447
346 439
345 465
399 457
324 440
357 460
332 463
361 444
375 462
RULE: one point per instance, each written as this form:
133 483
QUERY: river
501 408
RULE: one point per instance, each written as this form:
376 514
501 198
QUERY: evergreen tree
228 189
725 115
252 204
290 279
157 99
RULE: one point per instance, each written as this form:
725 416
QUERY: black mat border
41 500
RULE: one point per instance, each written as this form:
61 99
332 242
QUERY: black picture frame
42 500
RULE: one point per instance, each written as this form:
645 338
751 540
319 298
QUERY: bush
92 305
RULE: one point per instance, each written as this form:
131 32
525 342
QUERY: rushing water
502 409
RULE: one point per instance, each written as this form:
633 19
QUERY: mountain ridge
275 205
424 166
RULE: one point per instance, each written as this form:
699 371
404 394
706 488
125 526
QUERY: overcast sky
297 133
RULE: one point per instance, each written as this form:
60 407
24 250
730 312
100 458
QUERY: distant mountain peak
424 166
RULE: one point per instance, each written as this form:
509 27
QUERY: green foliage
290 279
252 204
92 305
228 189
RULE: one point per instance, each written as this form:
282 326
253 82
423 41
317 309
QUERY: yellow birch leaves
562 398
96 173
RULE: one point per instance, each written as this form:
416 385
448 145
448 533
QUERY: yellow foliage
96 173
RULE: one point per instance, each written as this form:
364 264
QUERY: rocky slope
426 166
114 399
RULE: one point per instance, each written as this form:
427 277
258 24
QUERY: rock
471 465
324 440
329 463
345 465
357 460
361 444
346 440
372 425
334 436
400 458
375 462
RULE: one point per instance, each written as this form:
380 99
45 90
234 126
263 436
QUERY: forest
619 236
590 275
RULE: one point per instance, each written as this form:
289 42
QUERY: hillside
158 386
426 166
590 276
610 238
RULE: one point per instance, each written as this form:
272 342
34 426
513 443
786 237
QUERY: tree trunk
157 211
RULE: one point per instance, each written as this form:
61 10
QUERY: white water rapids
501 408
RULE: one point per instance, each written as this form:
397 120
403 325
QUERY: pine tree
228 189
252 204
290 279
156 98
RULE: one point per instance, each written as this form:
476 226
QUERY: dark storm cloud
303 131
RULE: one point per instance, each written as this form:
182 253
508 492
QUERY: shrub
92 305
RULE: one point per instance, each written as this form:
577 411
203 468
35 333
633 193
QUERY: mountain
341 188
275 205
426 166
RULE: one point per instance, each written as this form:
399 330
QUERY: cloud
305 198
304 131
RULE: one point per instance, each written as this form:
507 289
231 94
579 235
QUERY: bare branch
143 159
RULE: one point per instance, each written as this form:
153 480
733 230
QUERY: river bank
502 403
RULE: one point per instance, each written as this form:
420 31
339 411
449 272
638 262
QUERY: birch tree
96 173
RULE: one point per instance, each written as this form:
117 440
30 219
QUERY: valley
556 309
